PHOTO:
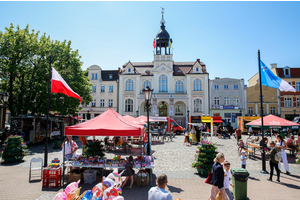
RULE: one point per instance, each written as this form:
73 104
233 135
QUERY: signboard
159 119
16 126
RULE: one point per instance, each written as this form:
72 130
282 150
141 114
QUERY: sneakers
278 180
270 179
288 173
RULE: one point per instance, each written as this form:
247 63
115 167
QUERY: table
253 146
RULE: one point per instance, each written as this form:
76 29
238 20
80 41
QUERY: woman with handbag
218 178
281 144
273 162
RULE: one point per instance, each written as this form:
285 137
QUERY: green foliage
204 157
24 72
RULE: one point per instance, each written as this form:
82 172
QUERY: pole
148 145
46 145
262 120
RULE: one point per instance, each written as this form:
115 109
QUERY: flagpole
46 144
263 171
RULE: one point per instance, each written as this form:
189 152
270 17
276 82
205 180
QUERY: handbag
219 196
209 177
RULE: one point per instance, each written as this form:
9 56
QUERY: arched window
197 105
163 83
146 83
129 85
179 86
178 109
197 85
128 105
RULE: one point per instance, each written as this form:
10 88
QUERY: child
226 180
241 145
186 137
243 159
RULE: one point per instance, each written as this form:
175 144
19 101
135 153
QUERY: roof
106 73
294 73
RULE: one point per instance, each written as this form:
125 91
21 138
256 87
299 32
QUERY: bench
249 151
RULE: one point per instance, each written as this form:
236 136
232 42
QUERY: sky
225 36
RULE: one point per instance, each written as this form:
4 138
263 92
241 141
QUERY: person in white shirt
159 192
226 180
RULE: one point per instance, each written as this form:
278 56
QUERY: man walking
238 134
159 192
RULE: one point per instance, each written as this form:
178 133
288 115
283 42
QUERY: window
110 89
96 76
179 86
287 71
129 70
83 116
197 85
225 87
93 76
287 102
102 88
128 105
298 86
129 85
146 83
197 105
236 101
250 111
197 69
216 87
102 102
163 83
94 103
273 110
226 100
236 87
179 109
110 102
217 101
298 102
94 89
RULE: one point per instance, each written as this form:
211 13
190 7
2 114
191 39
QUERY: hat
243 151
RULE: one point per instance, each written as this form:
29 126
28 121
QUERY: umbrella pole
263 171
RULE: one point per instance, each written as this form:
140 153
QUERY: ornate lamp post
4 97
148 94
137 113
188 117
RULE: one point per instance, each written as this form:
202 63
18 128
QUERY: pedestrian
226 180
69 147
186 137
281 144
250 130
159 192
241 146
4 135
273 162
290 143
238 134
243 158
298 141
217 180
198 134
129 173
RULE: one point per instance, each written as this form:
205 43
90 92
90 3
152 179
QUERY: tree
24 72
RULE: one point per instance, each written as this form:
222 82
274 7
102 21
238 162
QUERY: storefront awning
206 119
217 119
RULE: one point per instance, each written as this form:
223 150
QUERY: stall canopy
217 119
134 120
109 123
272 121
143 119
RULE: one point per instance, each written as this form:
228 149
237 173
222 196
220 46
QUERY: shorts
239 137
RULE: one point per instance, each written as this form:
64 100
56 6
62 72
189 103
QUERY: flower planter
208 150
207 145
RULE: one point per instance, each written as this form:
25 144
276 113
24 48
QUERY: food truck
243 120
166 123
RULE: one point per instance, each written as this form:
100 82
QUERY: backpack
278 156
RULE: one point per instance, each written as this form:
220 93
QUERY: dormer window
147 72
110 76
179 71
129 70
286 71
197 69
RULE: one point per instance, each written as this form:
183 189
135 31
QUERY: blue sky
224 35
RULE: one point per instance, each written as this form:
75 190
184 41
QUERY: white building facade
180 88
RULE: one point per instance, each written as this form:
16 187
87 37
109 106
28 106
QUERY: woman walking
273 162
218 178
129 172
281 144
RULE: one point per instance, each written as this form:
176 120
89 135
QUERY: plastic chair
36 160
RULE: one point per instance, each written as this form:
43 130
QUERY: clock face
163 69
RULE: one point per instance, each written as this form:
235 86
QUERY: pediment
163 68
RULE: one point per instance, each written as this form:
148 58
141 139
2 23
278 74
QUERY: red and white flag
59 85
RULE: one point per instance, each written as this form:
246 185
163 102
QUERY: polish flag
59 85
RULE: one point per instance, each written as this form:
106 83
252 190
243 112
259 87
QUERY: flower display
298 156
13 149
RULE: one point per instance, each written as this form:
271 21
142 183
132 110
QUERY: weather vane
162 13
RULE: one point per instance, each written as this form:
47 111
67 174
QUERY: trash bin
282 134
57 143
239 180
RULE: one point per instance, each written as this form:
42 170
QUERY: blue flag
270 80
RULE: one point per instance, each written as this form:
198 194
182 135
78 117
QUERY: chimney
273 65
198 60
217 78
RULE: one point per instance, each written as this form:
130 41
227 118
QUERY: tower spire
162 21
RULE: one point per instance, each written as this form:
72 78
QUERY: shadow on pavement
10 163
290 185
254 179
175 189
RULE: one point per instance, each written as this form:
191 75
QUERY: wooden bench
249 151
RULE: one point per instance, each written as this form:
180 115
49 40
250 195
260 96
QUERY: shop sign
55 133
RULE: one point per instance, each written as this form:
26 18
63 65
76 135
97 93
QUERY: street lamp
240 112
188 117
294 113
4 97
148 94
137 113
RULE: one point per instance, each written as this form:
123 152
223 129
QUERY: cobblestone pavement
172 158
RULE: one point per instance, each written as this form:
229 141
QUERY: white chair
36 160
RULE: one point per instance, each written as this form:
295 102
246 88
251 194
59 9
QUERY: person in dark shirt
129 172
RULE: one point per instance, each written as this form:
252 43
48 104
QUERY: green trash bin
239 180
57 143
282 134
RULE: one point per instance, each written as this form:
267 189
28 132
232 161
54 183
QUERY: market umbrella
272 121
134 120
143 119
